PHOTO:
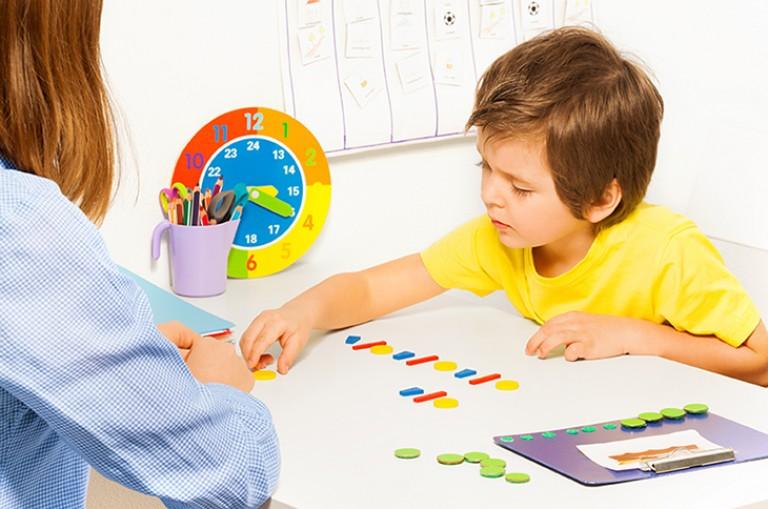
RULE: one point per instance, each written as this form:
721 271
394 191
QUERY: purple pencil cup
198 256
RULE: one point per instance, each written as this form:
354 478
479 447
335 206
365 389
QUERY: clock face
285 172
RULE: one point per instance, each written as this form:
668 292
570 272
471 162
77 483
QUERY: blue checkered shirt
87 379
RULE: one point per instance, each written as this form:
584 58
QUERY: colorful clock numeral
285 172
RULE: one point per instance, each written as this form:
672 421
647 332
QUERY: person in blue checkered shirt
86 378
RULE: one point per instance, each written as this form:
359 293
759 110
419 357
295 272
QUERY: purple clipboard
559 452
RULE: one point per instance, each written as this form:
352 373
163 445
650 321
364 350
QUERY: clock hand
270 190
271 203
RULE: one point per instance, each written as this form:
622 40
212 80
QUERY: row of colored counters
633 423
492 468
382 348
439 399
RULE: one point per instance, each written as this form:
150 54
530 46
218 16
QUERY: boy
568 131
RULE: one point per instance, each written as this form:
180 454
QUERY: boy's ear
607 204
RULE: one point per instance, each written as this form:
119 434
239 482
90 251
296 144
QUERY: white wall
174 65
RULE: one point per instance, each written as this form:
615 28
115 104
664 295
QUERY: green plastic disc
475 457
526 437
588 429
633 423
493 462
651 416
696 408
508 438
572 431
407 453
492 472
673 413
450 459
549 434
517 478
609 425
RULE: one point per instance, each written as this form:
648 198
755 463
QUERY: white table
340 418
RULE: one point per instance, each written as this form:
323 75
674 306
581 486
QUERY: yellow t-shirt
655 265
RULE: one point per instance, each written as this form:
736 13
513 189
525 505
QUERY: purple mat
560 454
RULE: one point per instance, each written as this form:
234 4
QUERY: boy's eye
520 191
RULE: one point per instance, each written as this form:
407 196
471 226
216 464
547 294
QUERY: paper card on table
362 89
360 10
404 32
448 20
360 40
536 16
448 68
310 12
412 71
494 21
167 307
314 43
578 12
634 453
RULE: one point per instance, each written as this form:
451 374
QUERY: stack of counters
633 423
492 467
450 459
445 366
475 457
403 355
351 340
673 413
381 350
407 453
651 416
696 408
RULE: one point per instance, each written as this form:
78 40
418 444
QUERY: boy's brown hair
55 116
598 113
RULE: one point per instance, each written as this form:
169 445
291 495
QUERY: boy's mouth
499 224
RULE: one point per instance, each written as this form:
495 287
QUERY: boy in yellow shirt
568 131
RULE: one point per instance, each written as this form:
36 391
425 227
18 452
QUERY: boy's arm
340 301
593 336
748 362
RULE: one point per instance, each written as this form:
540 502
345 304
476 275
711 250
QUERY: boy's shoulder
652 222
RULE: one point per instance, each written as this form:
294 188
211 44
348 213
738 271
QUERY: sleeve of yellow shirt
696 293
454 260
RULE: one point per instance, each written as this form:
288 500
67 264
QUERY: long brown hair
598 113
55 116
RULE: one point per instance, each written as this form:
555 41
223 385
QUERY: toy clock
286 176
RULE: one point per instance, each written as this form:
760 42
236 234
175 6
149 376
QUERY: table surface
339 415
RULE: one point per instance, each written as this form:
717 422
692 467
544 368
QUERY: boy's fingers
535 341
249 336
268 335
265 360
291 348
574 351
555 340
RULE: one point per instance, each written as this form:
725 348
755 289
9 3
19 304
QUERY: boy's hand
209 360
178 334
585 336
286 325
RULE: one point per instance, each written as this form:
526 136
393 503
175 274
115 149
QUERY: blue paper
167 307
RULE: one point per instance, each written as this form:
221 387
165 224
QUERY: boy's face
519 194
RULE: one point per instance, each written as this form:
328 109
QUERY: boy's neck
560 256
